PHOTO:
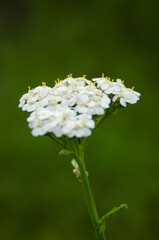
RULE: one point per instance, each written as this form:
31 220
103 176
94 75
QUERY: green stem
97 223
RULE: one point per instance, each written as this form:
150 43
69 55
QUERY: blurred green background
40 198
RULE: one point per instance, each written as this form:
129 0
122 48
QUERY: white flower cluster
68 108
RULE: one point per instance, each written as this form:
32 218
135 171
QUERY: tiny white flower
107 86
126 96
67 125
131 90
66 119
82 126
42 91
98 104
59 91
30 105
40 113
118 85
39 127
90 88
25 98
82 103
69 99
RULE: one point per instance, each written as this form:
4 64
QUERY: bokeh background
40 198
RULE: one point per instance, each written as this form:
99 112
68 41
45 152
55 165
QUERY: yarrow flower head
74 106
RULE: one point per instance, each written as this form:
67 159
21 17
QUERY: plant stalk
99 226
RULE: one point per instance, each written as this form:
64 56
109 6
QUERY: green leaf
114 211
65 152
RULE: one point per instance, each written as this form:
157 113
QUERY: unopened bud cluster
68 109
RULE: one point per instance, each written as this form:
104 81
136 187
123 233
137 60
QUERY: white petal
115 98
122 102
